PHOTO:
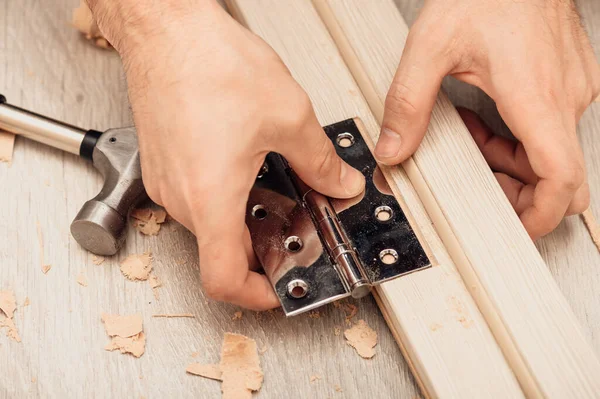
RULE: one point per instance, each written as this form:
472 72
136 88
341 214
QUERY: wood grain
433 313
505 273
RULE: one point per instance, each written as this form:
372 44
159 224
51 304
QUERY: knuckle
572 176
401 100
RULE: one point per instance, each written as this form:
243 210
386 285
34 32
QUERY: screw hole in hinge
384 213
293 243
345 140
297 288
112 139
259 212
388 256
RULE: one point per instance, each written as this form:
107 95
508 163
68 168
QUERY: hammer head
101 224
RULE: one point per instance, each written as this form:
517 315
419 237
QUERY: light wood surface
512 286
46 67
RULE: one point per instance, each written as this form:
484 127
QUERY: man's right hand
210 100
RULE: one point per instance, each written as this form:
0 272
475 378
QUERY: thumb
312 156
409 103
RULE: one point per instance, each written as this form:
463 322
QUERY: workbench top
47 67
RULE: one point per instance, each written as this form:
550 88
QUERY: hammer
101 224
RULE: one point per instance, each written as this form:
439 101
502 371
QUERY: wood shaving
26 301
212 371
135 345
7 143
148 221
82 280
8 303
314 378
46 268
97 260
126 332
83 21
239 368
8 306
337 330
170 316
122 326
338 388
195 354
137 267
592 225
362 338
237 315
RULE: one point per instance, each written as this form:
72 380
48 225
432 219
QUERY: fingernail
388 145
352 180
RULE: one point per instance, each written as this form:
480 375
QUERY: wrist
131 24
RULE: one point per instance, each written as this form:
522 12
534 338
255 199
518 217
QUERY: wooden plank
503 270
430 312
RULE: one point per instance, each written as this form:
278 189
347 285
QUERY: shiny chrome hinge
315 249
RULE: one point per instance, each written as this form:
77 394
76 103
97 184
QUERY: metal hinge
315 249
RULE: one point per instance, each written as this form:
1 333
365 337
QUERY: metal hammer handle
46 130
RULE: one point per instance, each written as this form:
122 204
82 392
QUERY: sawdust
314 314
592 224
195 354
351 311
212 371
462 314
338 388
337 330
362 338
97 260
125 332
239 368
82 280
7 143
435 326
26 301
314 378
83 21
173 315
148 221
237 315
137 267
8 306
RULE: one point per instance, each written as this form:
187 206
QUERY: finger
555 156
312 155
223 243
519 195
409 102
503 155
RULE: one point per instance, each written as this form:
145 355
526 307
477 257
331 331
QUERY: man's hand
210 100
535 60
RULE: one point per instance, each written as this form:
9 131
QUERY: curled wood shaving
237 315
135 345
351 311
137 267
362 338
83 21
148 221
7 143
239 368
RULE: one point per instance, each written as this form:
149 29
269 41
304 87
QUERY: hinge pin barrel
335 239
